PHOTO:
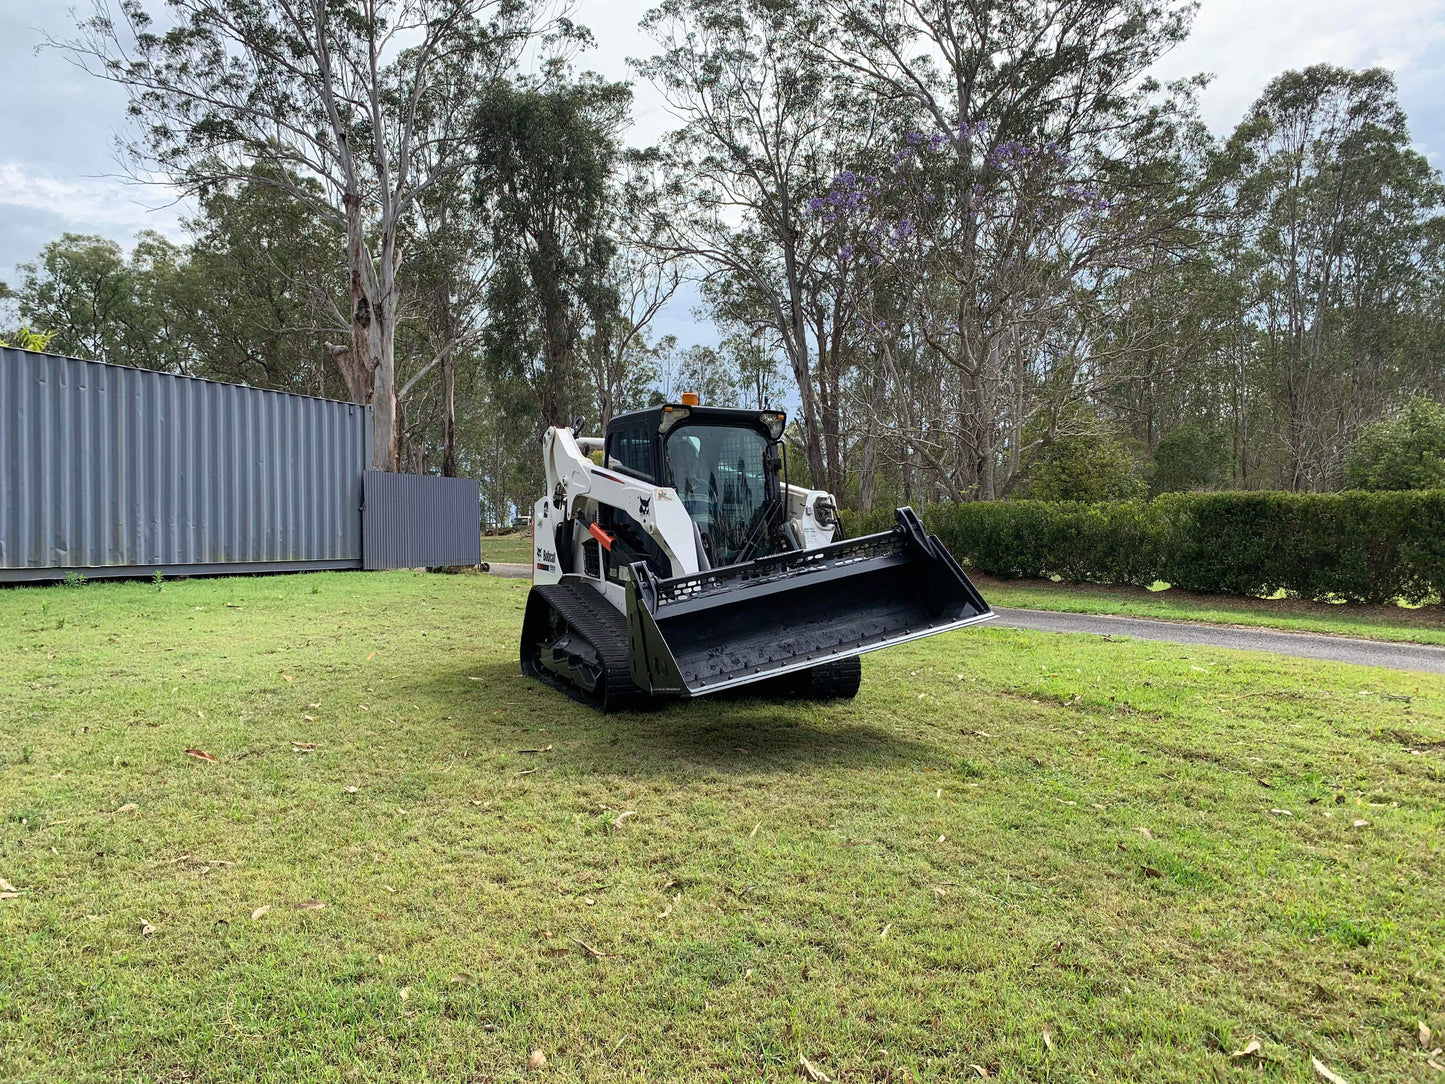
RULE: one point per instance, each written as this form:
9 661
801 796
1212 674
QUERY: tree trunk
449 416
369 364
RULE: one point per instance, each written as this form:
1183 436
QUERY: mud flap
693 635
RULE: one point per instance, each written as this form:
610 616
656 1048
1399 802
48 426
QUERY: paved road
515 572
1304 645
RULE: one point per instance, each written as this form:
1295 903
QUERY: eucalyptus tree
347 95
265 286
765 120
1027 181
1339 213
545 153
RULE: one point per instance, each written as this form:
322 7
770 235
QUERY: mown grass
1007 832
1424 624
512 548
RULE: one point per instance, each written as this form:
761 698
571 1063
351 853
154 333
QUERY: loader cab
725 465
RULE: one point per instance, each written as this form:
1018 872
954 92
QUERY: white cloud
101 203
1246 43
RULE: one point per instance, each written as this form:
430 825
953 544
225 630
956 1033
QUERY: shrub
1189 458
1356 546
1087 467
1403 452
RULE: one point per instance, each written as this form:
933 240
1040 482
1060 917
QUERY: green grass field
1054 858
513 548
1424 624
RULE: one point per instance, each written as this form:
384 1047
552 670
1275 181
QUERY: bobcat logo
644 505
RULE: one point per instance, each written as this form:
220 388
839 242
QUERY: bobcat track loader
685 564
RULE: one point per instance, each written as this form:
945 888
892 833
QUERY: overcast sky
57 125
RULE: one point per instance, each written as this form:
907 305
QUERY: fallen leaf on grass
129 807
617 820
1360 824
529 771
1281 812
940 891
536 1060
311 905
146 929
1423 1034
260 912
1251 1049
1048 1039
941 838
1325 1073
304 745
548 749
201 754
984 734
351 790
884 934
979 1069
6 886
9 895
755 829
1435 1065
811 1071
405 992
1150 871
371 656
1144 832
287 678
1265 783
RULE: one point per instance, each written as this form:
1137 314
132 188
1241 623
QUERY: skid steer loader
684 564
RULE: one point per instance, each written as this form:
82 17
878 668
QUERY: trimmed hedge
1360 547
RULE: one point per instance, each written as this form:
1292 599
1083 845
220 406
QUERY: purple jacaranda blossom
846 251
914 137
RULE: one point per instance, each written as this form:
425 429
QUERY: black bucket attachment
699 634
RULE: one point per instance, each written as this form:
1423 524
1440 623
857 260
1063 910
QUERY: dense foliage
979 251
1406 451
1355 547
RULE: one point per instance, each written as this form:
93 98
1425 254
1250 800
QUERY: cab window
632 449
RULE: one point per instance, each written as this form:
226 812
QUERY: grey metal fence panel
421 521
114 471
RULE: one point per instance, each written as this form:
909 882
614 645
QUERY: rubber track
591 617
836 680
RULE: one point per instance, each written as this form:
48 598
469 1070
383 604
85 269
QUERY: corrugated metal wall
420 521
116 471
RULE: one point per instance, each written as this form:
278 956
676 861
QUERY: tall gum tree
364 98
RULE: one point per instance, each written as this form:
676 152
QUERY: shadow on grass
712 734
